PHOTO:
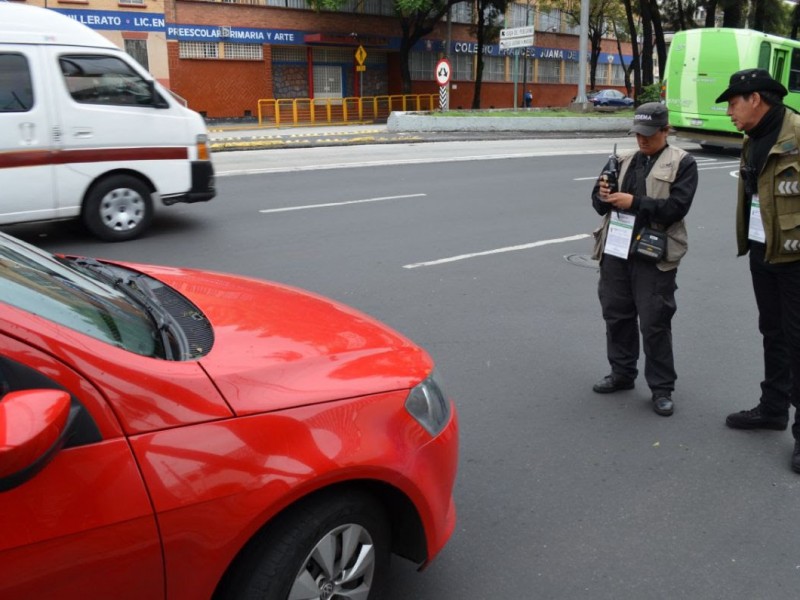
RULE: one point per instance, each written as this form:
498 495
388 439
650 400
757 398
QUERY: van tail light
203 149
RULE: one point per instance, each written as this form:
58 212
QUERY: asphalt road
477 251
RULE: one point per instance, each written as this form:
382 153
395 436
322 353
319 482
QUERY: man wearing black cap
768 227
637 290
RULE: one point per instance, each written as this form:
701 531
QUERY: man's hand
618 200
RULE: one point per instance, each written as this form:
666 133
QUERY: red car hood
277 346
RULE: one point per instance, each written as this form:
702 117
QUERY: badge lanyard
620 234
756 230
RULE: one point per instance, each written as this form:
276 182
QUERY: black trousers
635 295
777 290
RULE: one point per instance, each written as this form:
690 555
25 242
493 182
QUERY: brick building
223 56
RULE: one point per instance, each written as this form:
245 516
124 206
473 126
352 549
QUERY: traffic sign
361 55
443 71
516 37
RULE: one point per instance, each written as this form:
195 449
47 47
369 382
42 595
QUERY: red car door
82 527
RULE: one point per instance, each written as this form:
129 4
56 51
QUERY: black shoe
612 383
796 457
755 418
662 404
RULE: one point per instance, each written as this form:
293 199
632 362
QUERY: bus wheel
118 208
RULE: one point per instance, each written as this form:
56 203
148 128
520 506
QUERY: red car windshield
38 283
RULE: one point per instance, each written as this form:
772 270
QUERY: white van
86 132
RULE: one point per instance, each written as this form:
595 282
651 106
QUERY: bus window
780 64
764 52
794 72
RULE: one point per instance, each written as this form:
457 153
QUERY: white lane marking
408 161
329 204
441 261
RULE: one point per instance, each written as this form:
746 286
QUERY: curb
422 122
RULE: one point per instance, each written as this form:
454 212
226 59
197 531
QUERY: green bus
699 65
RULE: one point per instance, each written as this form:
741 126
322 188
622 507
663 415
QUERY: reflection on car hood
277 346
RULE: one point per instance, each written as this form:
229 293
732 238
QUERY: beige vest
657 185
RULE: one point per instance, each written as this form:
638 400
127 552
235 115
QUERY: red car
172 433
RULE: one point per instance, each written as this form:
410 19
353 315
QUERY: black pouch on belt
650 244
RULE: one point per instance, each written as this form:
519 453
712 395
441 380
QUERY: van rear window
16 89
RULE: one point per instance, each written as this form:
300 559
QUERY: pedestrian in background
637 284
768 228
528 98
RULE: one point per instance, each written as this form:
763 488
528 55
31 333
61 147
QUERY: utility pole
525 56
580 98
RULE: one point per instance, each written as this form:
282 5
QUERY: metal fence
310 111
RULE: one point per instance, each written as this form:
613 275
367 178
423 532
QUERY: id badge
756 230
620 234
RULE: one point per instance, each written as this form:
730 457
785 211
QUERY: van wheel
332 547
118 208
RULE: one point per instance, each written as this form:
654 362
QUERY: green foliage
650 93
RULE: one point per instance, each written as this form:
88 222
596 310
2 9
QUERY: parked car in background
611 98
168 433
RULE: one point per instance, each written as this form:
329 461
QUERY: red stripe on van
38 158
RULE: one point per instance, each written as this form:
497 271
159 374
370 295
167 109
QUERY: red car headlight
428 405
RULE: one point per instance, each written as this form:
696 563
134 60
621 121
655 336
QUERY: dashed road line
450 259
344 203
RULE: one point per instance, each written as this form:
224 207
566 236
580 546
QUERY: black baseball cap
751 80
650 118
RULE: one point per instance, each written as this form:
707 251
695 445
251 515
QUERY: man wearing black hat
768 227
637 282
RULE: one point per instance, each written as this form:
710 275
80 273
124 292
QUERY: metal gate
328 82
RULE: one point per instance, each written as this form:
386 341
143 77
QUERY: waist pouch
650 245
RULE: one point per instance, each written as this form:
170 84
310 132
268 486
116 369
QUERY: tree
678 15
601 14
770 16
417 19
637 77
487 30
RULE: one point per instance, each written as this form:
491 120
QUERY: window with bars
288 54
494 68
572 72
378 7
286 3
334 55
519 15
138 50
243 51
422 65
198 50
549 70
617 75
221 51
462 13
550 20
463 67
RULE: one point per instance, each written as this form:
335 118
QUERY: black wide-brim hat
749 81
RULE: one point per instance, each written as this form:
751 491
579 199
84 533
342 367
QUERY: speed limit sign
443 71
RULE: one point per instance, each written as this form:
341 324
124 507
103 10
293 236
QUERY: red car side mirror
33 427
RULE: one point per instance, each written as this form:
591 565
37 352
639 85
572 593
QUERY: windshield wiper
138 288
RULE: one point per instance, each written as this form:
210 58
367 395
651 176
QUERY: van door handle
82 132
27 132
